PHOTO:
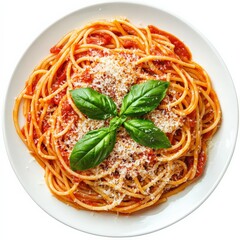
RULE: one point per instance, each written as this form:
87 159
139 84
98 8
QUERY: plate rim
14 69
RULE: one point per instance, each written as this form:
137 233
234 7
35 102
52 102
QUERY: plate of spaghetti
120 124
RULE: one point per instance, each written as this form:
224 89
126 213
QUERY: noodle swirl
110 57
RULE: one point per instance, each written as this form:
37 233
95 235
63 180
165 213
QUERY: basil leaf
92 149
94 104
116 122
146 133
143 98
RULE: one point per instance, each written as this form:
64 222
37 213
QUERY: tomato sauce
130 44
128 29
57 82
57 98
31 88
45 126
55 50
163 65
35 136
67 112
60 75
90 202
189 162
192 119
90 53
65 156
202 159
180 49
86 76
99 39
151 155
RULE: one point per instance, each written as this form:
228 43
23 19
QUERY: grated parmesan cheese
113 75
166 120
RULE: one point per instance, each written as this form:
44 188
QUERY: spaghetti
110 57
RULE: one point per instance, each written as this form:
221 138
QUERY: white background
21 21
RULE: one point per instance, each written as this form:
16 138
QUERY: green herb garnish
92 149
146 133
96 145
94 104
143 98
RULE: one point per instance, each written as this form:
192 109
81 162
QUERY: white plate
31 174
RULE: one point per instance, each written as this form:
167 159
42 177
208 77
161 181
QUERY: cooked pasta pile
110 57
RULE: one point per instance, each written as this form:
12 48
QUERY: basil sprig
143 98
146 133
92 149
116 122
96 145
94 104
